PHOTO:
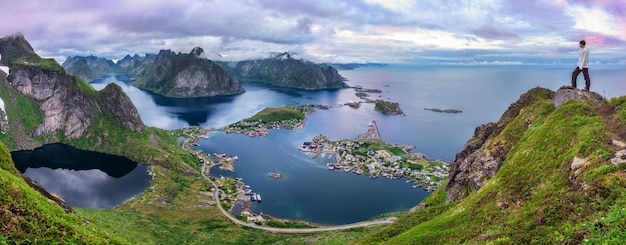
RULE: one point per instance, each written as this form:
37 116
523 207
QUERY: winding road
290 230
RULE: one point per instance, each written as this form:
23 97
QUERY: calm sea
311 192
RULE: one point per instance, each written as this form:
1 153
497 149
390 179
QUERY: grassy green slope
277 114
27 217
535 197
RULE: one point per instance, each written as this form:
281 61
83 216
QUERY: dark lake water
82 178
311 192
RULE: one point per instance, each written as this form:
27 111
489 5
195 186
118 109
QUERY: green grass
34 60
396 151
534 198
277 114
30 218
30 114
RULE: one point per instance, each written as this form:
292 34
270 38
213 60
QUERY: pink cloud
596 39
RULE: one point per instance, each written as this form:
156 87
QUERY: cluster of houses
260 128
358 157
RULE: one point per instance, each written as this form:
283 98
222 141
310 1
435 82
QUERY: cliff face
121 106
283 70
550 171
481 157
89 67
182 75
68 104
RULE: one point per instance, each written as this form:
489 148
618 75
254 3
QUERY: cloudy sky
387 31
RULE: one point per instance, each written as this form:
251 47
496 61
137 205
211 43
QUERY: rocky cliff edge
68 103
483 154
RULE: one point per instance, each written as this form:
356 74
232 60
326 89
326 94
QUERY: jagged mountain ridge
189 75
182 75
89 67
167 73
286 71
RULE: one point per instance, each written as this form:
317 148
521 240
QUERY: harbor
369 155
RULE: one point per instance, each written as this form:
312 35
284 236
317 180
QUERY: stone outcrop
482 155
64 109
566 93
182 75
4 119
68 104
120 104
285 71
14 46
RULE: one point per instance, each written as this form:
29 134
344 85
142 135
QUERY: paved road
291 230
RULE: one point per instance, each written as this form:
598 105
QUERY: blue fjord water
313 193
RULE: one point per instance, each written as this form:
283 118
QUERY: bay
310 192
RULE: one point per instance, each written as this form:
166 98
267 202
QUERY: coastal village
290 117
371 156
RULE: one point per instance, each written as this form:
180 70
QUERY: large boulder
566 93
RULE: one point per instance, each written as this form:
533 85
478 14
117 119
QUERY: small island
362 95
276 176
444 110
370 156
353 105
386 107
367 90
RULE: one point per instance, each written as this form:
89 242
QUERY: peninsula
288 117
369 155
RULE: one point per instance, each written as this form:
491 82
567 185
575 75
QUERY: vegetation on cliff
538 195
284 70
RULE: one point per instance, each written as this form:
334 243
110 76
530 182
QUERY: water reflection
63 156
83 178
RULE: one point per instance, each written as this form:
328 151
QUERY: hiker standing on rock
583 65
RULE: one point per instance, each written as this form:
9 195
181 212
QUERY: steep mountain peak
197 51
14 46
283 70
65 103
183 75
120 104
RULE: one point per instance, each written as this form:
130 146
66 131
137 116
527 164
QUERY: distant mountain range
283 70
167 73
189 75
